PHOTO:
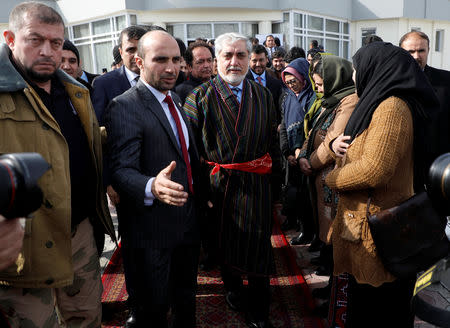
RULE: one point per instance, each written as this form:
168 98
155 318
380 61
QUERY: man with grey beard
234 122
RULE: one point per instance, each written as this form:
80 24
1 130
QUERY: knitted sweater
381 159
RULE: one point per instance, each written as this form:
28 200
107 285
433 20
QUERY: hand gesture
11 240
339 146
166 190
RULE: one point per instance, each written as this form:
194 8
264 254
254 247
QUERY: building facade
339 26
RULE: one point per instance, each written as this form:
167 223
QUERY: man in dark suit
199 58
114 83
153 160
106 87
418 45
258 73
70 62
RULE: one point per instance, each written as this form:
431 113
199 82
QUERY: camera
20 194
437 278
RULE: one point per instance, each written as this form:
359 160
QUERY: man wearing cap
70 63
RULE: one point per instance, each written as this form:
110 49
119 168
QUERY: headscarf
294 115
384 70
337 84
317 103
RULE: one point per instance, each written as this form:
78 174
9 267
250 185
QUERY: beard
233 79
37 76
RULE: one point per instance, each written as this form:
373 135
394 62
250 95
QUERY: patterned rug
291 306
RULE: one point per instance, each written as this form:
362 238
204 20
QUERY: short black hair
182 46
68 45
133 32
189 54
371 38
312 52
314 43
280 53
116 54
294 53
259 49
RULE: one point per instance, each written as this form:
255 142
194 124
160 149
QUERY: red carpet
291 298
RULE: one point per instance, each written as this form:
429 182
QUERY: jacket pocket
9 109
356 229
352 229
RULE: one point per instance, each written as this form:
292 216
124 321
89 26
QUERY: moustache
234 68
45 61
168 76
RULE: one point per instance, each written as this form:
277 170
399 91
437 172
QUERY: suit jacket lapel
125 83
150 102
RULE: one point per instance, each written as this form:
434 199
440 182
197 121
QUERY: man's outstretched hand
166 190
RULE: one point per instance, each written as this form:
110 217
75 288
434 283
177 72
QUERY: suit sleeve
99 99
125 139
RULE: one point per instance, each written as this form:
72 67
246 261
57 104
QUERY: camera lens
20 194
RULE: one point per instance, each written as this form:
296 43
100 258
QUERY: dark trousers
257 298
164 279
386 306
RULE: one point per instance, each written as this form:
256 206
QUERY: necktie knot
168 100
236 91
259 78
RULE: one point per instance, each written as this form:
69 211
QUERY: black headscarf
384 70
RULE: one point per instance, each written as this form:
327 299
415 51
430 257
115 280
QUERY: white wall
208 15
85 10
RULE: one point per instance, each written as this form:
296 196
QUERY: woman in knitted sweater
382 155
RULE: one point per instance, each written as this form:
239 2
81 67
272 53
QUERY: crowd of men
192 165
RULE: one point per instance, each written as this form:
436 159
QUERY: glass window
286 17
81 31
225 28
103 55
86 57
133 19
199 31
298 21
177 31
346 28
439 40
66 33
345 49
248 29
332 26
332 46
121 23
315 23
415 29
101 27
298 41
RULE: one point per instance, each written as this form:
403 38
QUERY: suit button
50 281
49 244
78 95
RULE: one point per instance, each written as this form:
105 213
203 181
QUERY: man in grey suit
153 160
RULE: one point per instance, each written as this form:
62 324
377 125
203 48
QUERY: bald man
418 45
153 163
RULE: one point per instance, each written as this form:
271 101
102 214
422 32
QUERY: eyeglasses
290 82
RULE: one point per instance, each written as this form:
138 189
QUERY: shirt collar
263 75
236 86
130 74
158 94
